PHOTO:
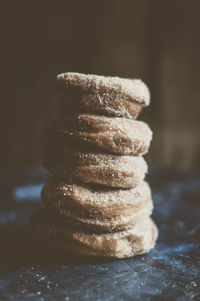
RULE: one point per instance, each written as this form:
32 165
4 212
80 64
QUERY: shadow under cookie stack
97 202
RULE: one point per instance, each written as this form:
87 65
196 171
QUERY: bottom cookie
52 231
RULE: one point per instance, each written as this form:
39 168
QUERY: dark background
158 41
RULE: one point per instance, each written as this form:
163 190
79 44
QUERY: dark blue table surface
171 271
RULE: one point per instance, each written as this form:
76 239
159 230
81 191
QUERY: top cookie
131 89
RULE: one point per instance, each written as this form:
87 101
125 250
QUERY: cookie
74 100
112 134
93 206
114 87
137 240
96 168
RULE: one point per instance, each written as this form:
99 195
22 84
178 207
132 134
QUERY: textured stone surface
169 272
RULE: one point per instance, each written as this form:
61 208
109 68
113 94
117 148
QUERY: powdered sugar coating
131 89
98 208
57 191
100 104
104 169
115 134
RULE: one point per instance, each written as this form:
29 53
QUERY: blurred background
157 41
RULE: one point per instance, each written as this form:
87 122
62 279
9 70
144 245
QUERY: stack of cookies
97 202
